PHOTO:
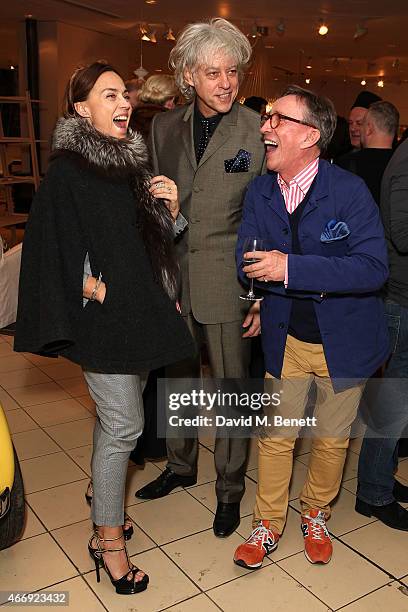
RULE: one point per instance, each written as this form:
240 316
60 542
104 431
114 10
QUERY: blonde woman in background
157 95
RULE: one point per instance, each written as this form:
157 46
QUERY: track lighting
168 35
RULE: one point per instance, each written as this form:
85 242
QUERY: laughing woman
98 285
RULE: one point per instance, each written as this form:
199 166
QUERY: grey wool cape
88 203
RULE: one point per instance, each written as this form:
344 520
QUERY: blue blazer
343 276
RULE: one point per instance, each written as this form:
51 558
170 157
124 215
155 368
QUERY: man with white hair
211 149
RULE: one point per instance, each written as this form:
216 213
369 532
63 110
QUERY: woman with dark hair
99 284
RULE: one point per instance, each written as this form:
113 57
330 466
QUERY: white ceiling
383 51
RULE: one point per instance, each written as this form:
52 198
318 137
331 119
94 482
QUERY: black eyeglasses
276 118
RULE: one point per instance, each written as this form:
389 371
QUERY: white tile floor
51 417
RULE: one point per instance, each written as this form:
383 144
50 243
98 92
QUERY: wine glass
252 243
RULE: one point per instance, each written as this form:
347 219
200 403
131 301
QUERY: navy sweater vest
303 323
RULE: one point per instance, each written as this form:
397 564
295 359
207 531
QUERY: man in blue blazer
322 318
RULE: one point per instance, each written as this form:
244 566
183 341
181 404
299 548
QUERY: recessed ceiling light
380 83
323 29
150 1
363 82
307 81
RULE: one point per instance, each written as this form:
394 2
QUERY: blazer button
281 325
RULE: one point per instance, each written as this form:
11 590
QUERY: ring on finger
265 279
159 185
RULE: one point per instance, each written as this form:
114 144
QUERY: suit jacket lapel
221 134
187 135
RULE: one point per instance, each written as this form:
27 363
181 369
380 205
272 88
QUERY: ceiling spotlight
309 63
150 1
168 35
143 33
280 28
363 82
380 83
11 67
360 32
323 29
307 81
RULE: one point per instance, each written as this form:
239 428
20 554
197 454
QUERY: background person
379 493
377 133
157 95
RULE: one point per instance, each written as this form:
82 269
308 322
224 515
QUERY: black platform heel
123 585
128 524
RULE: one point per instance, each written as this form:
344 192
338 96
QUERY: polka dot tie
204 138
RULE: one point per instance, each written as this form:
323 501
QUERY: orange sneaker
261 542
318 546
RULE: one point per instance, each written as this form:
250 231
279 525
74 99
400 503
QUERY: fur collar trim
105 153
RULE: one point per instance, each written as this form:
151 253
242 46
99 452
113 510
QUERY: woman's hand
89 287
166 189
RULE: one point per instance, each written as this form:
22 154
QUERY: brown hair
320 112
80 84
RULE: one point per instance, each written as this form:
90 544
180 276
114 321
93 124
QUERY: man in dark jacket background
378 490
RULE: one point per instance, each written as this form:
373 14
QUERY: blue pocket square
334 230
240 163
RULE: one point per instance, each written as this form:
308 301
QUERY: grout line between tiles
190 599
208 591
382 569
94 592
365 595
56 486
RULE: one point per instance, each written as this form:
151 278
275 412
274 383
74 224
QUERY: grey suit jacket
211 199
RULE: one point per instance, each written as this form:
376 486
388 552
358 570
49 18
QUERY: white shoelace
318 526
261 535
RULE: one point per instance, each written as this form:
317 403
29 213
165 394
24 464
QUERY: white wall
62 48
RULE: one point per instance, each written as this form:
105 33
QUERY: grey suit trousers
229 356
119 407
